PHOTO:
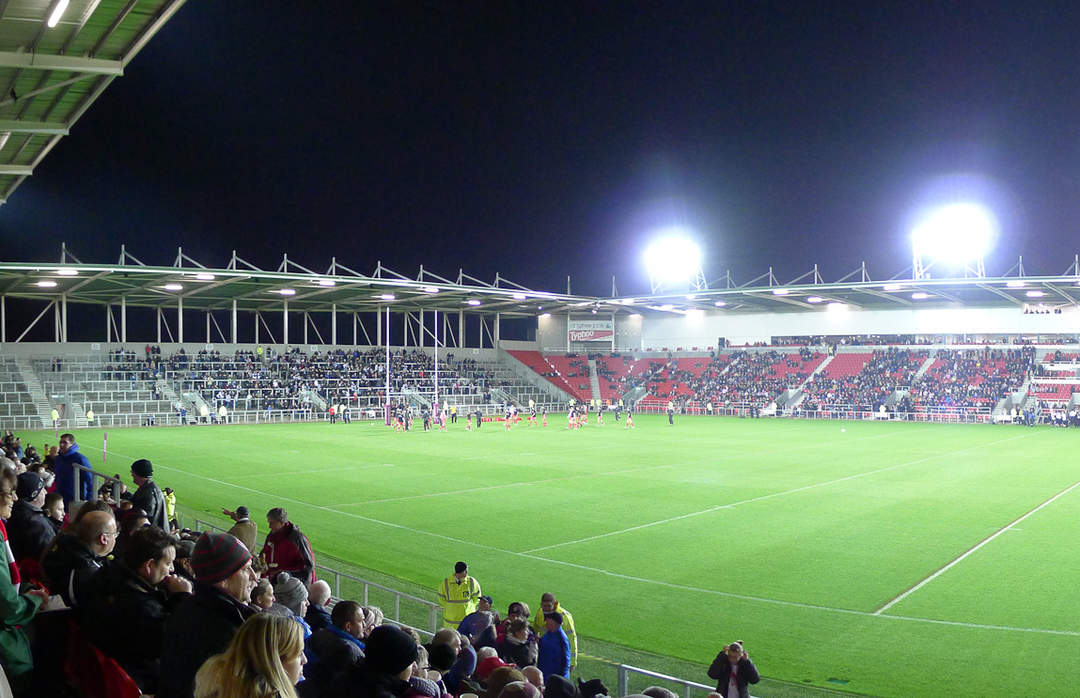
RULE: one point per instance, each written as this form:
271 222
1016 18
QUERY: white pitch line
764 497
499 487
643 580
340 469
971 550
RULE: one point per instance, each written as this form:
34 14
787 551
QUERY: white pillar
180 319
496 341
307 321
354 329
232 323
285 323
207 326
333 324
461 328
378 328
421 326
159 325
63 318
108 324
123 318
3 319
258 317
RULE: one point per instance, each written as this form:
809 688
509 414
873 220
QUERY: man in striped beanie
204 624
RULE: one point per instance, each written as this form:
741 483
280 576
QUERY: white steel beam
72 64
36 127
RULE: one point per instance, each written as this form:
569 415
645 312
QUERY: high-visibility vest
458 599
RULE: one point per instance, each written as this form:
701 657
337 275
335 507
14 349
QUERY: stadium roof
346 290
51 75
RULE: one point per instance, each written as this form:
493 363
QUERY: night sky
543 140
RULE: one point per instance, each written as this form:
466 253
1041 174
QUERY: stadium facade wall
703 330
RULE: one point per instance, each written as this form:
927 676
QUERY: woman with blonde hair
264 660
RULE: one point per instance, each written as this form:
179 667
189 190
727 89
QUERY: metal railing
419 614
625 670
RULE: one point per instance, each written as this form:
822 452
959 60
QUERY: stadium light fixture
545 315
837 306
204 276
780 291
54 18
1015 283
287 291
387 296
893 287
519 296
1035 294
327 282
473 301
814 299
919 296
674 260
720 304
68 272
174 287
430 289
666 306
958 234
46 284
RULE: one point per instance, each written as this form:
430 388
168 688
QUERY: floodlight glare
386 296
814 299
519 296
919 296
473 301
46 284
720 304
672 259
955 234
1014 284
1035 294
893 287
780 291
68 272
173 287
204 276
327 282
287 291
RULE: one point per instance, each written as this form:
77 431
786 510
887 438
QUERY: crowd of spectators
869 389
972 377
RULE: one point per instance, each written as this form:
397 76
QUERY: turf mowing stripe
971 550
499 487
764 497
642 580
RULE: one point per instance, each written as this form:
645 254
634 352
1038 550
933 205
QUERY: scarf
12 567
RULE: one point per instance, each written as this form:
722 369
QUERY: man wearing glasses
74 557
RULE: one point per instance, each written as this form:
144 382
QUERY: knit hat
29 486
142 468
218 556
389 650
289 591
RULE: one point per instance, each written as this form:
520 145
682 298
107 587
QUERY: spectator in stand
148 497
67 473
487 661
17 609
287 549
534 676
78 553
733 671
515 609
549 604
185 548
553 657
391 653
479 626
464 662
54 509
459 595
265 659
29 529
131 601
291 593
500 679
519 645
656 692
317 616
205 622
338 647
243 527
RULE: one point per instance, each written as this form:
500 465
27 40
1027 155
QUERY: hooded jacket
64 467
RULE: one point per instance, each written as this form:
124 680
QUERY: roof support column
307 321
333 324
567 330
354 328
257 318
207 326
108 324
461 328
378 328
285 322
56 322
123 318
180 319
3 319
232 323
420 329
63 326
495 339
158 317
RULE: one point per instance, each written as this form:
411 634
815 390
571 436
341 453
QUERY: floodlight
327 282
780 291
57 13
430 289
204 276
1035 294
1016 283
666 306
957 234
893 287
287 291
519 296
674 260
545 315
837 306
387 296
68 272
814 299
46 284
720 304
473 301
919 296
173 287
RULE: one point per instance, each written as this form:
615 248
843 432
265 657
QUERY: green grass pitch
796 537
